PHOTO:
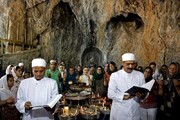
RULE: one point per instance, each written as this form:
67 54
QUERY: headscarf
3 82
8 71
97 76
13 71
5 92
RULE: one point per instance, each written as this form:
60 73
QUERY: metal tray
91 117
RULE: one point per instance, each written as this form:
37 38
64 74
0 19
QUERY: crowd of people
21 89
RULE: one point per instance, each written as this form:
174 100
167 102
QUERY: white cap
38 62
21 64
53 61
128 57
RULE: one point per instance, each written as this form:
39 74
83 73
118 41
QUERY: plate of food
104 110
84 93
71 94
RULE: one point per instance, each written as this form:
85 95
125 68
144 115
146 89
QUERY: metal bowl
104 110
77 88
71 94
89 112
74 112
91 117
68 117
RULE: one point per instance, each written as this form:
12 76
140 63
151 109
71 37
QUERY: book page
54 100
148 85
144 89
51 103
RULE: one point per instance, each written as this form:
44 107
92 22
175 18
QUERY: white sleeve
113 91
20 100
54 91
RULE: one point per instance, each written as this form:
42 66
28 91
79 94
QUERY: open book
51 103
144 89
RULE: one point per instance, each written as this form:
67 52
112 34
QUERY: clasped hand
129 96
140 95
28 105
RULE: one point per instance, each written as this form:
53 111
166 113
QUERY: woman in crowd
163 72
150 104
70 78
155 70
8 110
79 71
111 68
8 71
17 74
26 74
170 105
98 82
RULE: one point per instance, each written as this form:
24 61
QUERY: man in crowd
125 106
36 90
54 73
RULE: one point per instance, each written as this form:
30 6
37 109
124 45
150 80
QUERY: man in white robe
37 90
125 106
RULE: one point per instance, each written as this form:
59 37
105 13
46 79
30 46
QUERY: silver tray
67 117
77 98
91 117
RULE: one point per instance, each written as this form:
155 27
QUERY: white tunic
121 81
84 79
38 93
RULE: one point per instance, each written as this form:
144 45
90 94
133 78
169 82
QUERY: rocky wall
96 31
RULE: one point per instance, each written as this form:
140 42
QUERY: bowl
76 88
73 114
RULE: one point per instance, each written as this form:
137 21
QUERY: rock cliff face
94 31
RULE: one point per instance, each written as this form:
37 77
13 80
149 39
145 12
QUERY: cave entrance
91 56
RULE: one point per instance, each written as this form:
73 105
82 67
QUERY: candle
81 108
70 82
66 110
99 101
75 112
63 110
98 95
93 95
63 101
103 104
95 110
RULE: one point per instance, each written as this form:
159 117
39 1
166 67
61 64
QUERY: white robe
38 93
121 81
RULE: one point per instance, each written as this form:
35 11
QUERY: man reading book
125 105
36 91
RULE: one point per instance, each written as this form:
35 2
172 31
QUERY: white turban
128 57
21 64
53 61
38 62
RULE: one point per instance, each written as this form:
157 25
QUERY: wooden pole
13 47
2 48
24 36
7 35
17 37
31 36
